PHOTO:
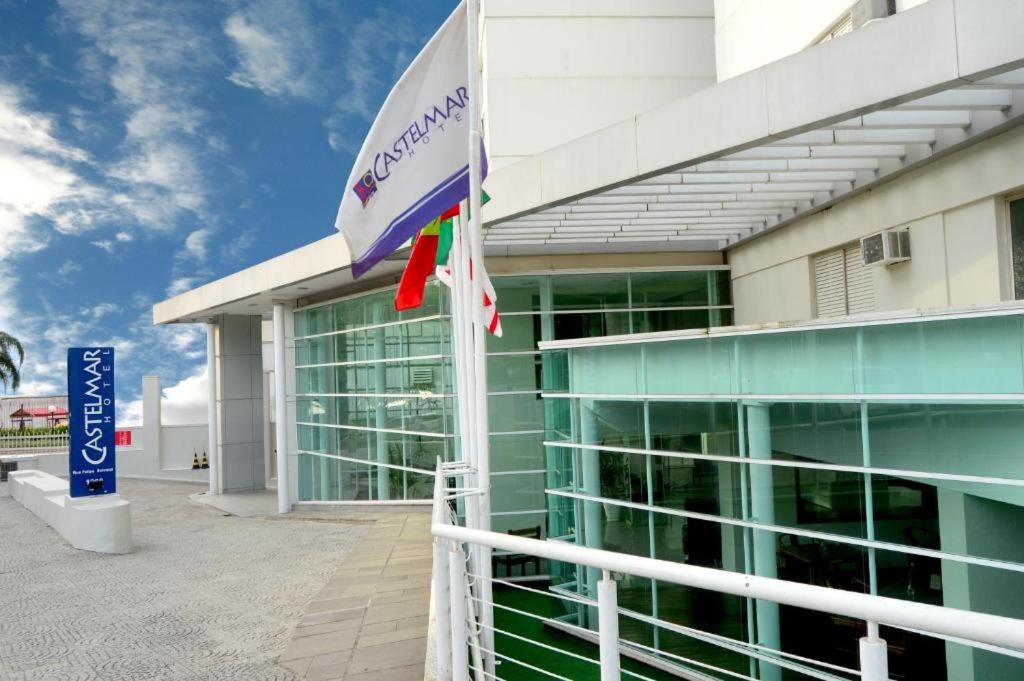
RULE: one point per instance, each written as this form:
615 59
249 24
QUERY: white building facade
698 364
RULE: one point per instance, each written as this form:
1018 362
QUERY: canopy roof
762 149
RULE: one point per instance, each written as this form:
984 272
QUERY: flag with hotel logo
413 164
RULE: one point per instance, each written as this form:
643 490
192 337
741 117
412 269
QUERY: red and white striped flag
492 320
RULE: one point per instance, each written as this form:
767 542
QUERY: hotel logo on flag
91 455
365 187
414 162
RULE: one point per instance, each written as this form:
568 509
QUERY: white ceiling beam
797 186
604 199
738 165
697 198
859 151
608 208
716 178
802 164
710 187
961 100
622 215
909 119
814 176
890 136
685 206
804 139
773 151
1011 79
648 188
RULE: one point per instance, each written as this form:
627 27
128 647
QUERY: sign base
102 524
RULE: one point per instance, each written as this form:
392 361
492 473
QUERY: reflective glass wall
375 403
885 459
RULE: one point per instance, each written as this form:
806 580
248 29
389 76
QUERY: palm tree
10 372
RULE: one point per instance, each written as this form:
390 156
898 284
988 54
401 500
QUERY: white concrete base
102 524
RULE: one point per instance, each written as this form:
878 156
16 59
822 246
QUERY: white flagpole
480 422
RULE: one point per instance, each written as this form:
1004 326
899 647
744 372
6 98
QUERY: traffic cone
206 464
195 459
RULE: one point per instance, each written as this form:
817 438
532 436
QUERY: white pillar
762 500
874 656
151 418
608 627
457 593
211 407
280 410
442 614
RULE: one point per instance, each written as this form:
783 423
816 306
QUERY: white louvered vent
843 26
422 377
860 286
830 284
842 284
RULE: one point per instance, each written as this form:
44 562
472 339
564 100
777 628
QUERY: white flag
414 162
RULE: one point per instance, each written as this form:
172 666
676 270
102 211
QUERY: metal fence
465 640
18 444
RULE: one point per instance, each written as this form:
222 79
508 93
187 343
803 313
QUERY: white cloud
68 269
275 45
152 55
104 309
40 388
183 403
123 237
180 285
105 244
196 243
375 41
40 180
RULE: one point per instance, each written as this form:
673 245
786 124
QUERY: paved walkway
369 623
210 595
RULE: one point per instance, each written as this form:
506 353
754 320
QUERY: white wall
558 69
955 211
752 33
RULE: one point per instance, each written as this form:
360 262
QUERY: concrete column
240 403
762 503
211 407
151 419
291 430
280 411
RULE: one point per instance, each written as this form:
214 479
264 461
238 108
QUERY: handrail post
442 614
874 656
608 627
457 593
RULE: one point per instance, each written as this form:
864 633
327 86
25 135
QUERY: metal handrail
969 626
32 442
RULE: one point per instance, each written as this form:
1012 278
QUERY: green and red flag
422 262
430 251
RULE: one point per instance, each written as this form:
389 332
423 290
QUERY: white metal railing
21 443
456 595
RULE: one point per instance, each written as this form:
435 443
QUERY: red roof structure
38 412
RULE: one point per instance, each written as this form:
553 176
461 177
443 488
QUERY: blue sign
91 461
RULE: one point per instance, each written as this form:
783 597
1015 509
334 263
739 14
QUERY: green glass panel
517 294
589 291
670 289
514 372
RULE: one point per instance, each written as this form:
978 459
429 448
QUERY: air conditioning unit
885 248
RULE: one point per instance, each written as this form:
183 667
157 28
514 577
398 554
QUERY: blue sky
149 147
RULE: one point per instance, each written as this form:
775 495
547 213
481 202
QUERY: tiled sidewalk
369 622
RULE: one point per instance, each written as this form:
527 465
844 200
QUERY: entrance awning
767 147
